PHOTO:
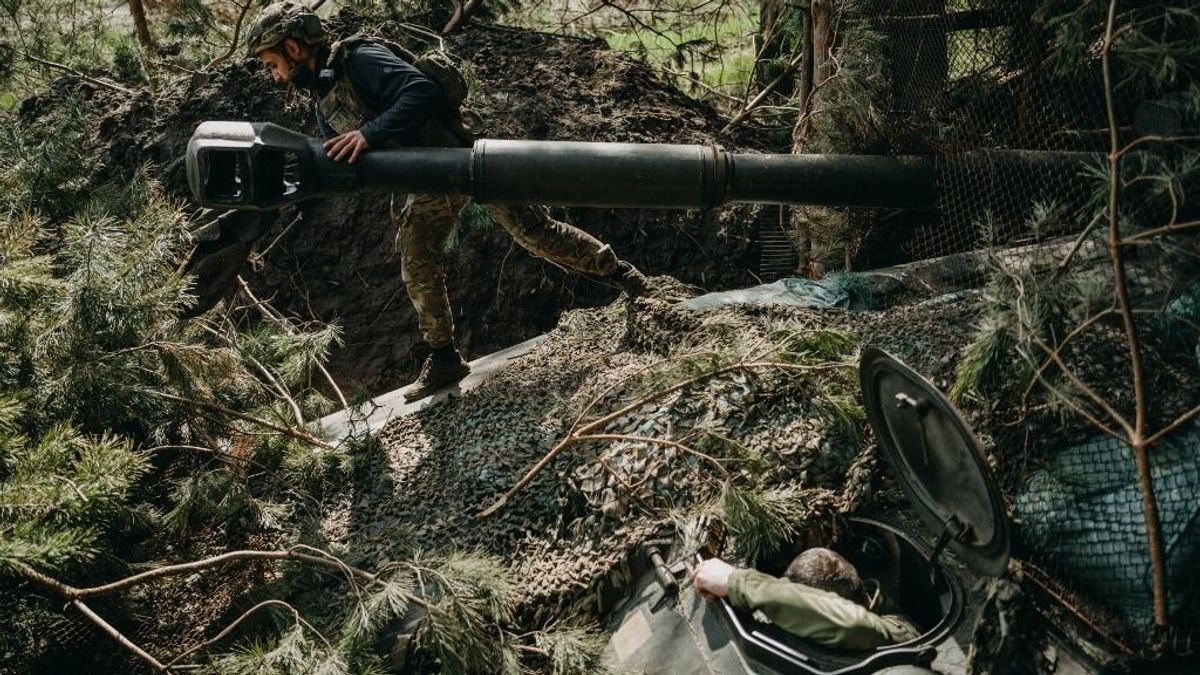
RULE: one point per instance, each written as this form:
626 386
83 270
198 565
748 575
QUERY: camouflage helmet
281 20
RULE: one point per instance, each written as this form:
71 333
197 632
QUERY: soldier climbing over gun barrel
370 93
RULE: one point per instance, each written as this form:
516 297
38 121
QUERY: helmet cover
279 21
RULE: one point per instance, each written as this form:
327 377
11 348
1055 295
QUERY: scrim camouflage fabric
424 224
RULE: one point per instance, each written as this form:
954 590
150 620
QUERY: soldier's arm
405 95
820 616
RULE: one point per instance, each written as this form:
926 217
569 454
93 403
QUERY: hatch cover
937 460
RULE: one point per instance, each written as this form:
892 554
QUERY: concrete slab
369 417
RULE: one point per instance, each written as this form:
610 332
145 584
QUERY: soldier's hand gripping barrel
245 165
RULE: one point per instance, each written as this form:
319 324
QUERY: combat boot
627 278
443 367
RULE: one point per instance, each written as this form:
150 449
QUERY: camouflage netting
1084 511
570 535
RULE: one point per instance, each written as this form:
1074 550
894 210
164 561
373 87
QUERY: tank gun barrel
264 166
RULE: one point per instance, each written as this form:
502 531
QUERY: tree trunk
769 43
818 41
138 11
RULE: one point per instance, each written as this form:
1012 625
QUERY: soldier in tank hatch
821 598
370 93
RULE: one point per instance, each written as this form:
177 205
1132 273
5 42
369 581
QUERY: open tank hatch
938 462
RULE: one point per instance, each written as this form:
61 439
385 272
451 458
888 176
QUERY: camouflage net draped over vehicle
571 535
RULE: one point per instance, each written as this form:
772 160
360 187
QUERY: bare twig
612 387
117 635
75 595
75 73
237 33
1175 228
1137 439
279 389
1078 330
1073 404
1066 261
69 592
230 628
574 435
1075 380
791 68
462 14
1039 579
211 451
1173 426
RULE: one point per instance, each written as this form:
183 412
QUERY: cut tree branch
117 635
75 73
574 435
791 68
462 14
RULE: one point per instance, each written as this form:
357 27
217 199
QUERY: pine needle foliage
471 602
97 366
44 170
982 359
572 650
1023 304
59 492
759 520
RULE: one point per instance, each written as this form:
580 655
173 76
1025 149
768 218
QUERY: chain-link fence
1066 137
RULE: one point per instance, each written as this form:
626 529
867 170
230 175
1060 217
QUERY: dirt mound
336 262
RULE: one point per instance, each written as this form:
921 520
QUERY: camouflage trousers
425 222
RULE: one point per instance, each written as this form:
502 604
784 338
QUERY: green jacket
823 617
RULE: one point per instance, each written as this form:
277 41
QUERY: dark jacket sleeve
405 96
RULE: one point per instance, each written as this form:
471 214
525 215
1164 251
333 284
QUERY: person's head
824 569
285 36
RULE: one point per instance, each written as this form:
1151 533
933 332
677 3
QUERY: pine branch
213 407
462 14
267 311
